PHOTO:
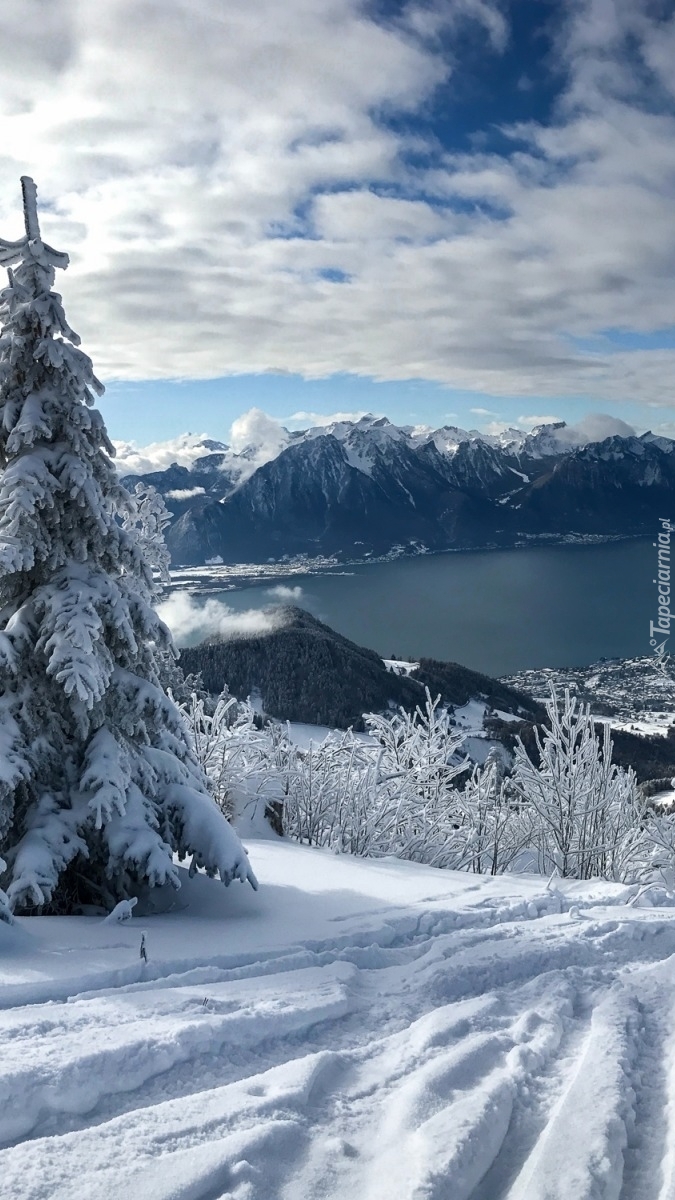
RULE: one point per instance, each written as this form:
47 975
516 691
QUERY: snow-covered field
378 1030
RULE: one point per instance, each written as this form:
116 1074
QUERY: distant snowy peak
368 440
260 440
446 440
544 441
368 487
374 445
380 432
661 443
378 428
622 447
547 441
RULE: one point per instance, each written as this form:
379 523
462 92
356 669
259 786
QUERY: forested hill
305 671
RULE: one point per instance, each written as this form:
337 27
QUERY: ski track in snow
428 1037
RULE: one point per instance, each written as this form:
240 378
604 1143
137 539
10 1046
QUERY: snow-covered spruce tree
98 784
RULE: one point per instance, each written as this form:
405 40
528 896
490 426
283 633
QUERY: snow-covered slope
376 1030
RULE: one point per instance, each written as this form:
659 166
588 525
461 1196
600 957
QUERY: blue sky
157 410
449 211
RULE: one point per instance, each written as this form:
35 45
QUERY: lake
494 611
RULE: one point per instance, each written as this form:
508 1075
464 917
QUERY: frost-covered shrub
586 811
404 791
391 794
247 762
653 855
496 822
98 784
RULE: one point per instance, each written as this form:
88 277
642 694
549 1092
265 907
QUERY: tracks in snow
492 1054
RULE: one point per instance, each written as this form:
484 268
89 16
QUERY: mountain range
370 488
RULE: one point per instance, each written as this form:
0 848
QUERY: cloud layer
157 456
255 435
291 595
594 428
191 621
236 196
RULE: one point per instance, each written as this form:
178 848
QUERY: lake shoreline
212 576
493 611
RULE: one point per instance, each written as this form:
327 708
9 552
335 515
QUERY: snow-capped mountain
356 489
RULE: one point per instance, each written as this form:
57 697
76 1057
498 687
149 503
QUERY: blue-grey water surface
494 611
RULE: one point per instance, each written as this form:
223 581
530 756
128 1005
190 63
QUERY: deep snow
356 1029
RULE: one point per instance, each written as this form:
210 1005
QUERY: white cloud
283 592
311 420
258 437
530 422
595 428
184 152
185 493
254 434
256 428
192 621
132 459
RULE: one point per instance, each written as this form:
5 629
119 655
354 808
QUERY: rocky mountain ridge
366 488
